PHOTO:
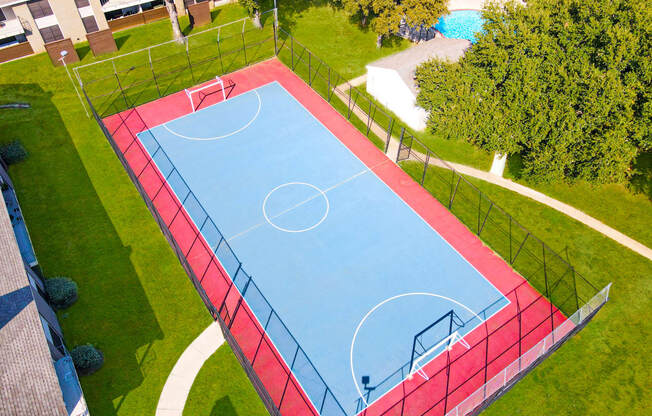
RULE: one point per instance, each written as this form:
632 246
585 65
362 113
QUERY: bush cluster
13 152
62 291
87 359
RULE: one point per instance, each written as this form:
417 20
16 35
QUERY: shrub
13 152
87 359
62 291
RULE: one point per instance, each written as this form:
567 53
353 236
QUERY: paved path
177 386
572 212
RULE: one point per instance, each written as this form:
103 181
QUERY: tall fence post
292 50
244 48
390 126
192 75
309 68
400 144
117 78
151 67
219 53
275 41
425 167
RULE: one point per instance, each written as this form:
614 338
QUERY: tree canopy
564 83
387 15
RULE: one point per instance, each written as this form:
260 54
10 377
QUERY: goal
439 336
195 95
445 344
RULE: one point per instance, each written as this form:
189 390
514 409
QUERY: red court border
433 397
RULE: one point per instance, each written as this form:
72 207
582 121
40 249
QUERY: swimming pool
461 24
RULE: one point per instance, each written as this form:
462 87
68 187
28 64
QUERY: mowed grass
614 204
87 221
602 370
215 394
339 40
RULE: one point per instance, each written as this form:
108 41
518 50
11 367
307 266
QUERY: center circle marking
287 230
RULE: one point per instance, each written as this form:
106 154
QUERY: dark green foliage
61 291
564 83
87 359
13 152
387 15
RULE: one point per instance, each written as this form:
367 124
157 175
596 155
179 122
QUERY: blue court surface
350 268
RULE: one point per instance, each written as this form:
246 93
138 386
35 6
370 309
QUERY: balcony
9 28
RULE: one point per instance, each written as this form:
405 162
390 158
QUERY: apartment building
27 25
37 374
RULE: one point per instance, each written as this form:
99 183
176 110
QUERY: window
82 3
90 24
151 4
39 8
2 16
50 34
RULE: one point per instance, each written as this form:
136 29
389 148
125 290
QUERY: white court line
303 230
349 179
392 190
355 335
383 182
260 104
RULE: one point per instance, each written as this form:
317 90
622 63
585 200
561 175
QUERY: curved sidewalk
177 386
566 209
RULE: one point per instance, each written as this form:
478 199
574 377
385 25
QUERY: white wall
386 86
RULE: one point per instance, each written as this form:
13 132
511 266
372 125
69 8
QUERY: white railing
11 27
529 358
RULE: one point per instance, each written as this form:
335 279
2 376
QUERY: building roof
27 375
406 62
4 3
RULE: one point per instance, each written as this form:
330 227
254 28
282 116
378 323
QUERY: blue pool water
461 24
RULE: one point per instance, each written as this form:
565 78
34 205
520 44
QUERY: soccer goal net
197 94
439 336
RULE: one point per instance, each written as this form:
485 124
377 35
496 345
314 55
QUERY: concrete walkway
566 209
177 386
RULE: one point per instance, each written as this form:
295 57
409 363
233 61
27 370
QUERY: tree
388 15
174 20
362 8
253 8
566 84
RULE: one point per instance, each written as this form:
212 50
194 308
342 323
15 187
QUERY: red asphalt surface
466 372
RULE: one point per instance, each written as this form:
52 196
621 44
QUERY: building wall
31 30
99 14
386 86
69 21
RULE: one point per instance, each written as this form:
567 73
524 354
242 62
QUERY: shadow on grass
224 407
82 51
74 236
121 40
641 182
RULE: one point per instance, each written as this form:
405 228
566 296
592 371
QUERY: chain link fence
568 301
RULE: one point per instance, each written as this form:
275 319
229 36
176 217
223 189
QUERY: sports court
356 277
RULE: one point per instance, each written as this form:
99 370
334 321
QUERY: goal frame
193 90
450 341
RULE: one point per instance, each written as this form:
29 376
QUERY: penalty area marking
355 334
320 193
260 104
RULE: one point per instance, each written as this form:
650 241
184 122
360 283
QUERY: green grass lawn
329 33
600 370
614 204
222 389
88 222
